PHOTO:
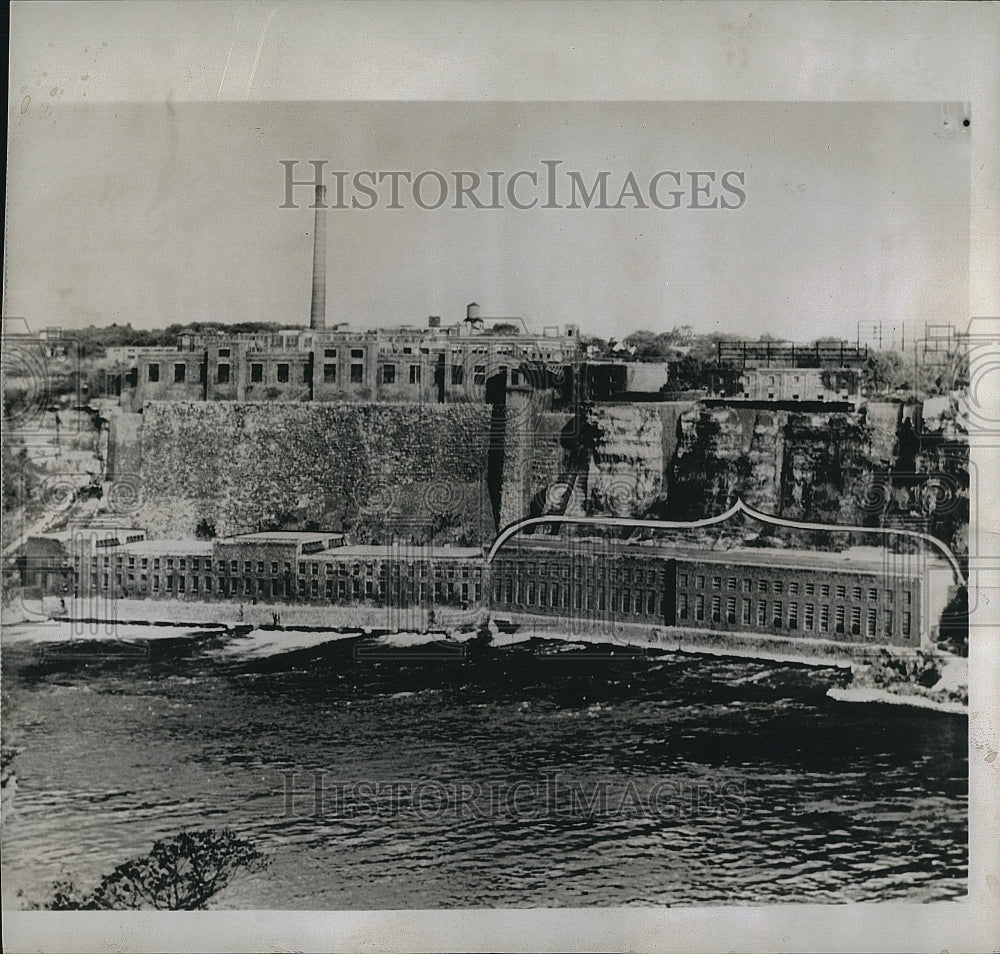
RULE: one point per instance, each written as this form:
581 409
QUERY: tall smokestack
317 311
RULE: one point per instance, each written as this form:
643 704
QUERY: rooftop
864 558
408 552
284 536
103 534
169 547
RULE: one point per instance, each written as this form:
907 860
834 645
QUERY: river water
443 777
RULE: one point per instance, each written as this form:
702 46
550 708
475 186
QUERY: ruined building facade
430 365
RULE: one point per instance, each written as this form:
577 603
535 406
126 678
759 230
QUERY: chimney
317 311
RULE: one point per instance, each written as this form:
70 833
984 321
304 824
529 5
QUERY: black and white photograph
442 512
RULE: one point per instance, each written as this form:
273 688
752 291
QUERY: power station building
437 364
277 567
434 364
783 371
861 596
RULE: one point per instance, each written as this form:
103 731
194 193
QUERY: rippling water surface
767 790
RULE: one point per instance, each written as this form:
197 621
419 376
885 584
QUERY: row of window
196 563
401 592
222 373
590 571
357 374
793 587
777 615
114 541
305 568
795 397
283 372
292 344
545 594
420 567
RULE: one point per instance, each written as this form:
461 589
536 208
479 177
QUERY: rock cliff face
801 466
928 485
611 460
765 460
693 461
825 458
535 475
625 471
622 460
124 449
709 464
448 472
366 468
884 419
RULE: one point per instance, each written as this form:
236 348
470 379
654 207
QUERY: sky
159 213
169 211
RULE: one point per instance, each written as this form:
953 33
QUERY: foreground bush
182 873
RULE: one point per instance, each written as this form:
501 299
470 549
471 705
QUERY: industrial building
862 595
799 384
436 363
784 371
859 596
281 567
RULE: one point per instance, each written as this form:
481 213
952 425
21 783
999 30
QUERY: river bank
927 680
896 699
923 679
254 614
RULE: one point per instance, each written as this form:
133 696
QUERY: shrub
182 873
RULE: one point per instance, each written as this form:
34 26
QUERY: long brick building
436 364
860 596
271 567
